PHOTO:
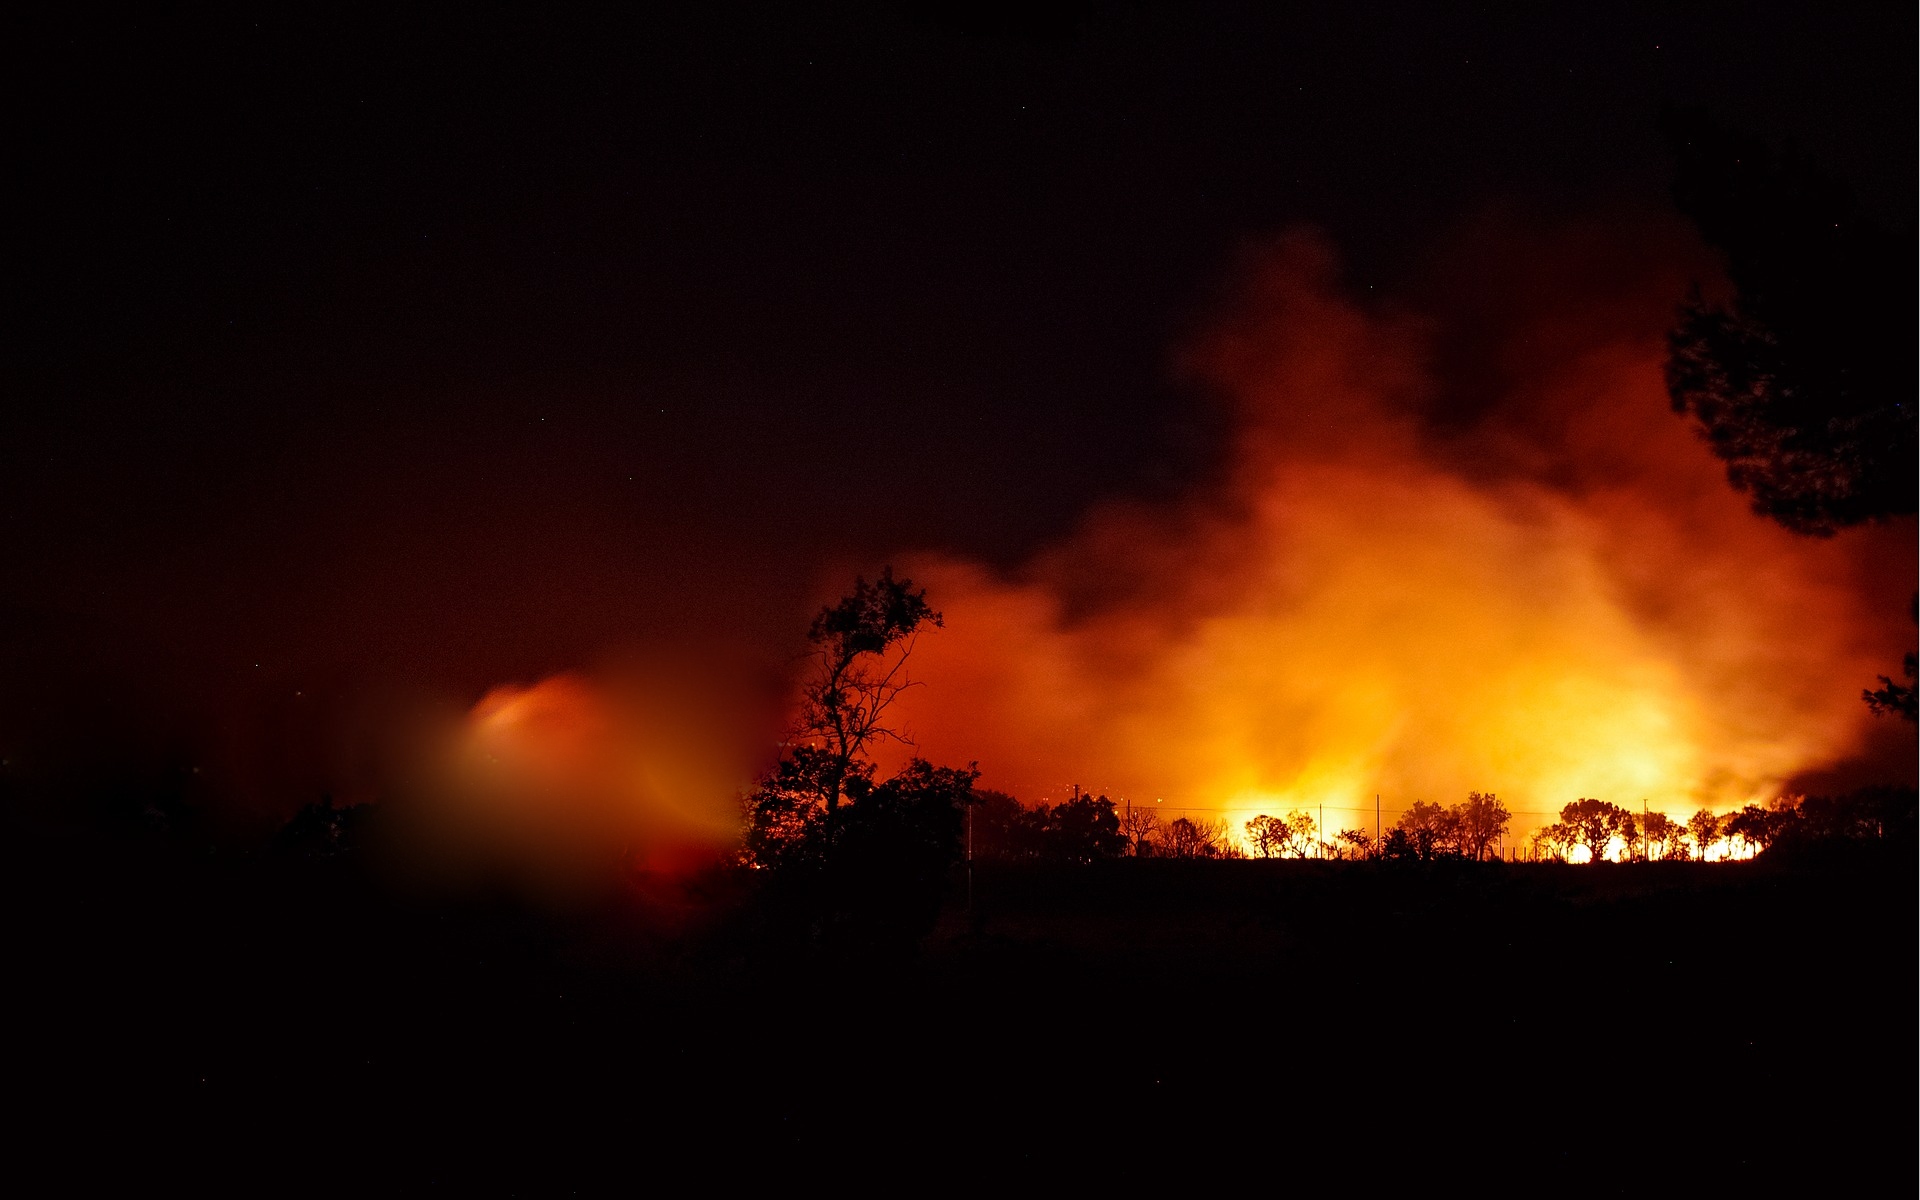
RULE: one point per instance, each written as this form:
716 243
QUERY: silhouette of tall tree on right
1891 697
1804 383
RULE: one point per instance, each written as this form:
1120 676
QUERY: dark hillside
1584 1029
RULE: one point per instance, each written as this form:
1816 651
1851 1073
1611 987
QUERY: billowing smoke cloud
1545 589
1410 578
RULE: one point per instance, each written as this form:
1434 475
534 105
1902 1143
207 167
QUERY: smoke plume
1413 579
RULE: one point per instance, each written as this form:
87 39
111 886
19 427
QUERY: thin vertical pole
970 809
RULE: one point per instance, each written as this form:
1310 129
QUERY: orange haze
1546 590
1555 595
571 781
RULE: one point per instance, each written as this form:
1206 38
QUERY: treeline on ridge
1087 828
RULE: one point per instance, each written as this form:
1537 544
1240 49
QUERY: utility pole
1376 822
970 809
1323 829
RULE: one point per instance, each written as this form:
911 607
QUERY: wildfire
1560 598
1557 597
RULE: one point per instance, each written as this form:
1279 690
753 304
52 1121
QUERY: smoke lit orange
1562 598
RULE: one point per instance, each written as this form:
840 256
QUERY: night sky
439 351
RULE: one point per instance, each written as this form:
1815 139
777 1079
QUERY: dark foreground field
267 1026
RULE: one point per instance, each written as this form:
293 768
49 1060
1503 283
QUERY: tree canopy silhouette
1431 830
1267 835
1804 382
1083 829
867 874
1595 823
1481 822
1660 836
1703 830
1428 831
1891 697
1755 828
1188 838
859 658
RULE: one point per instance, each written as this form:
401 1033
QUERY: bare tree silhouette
860 651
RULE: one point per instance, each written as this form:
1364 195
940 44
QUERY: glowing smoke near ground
573 782
1555 597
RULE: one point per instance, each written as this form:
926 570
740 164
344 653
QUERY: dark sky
462 347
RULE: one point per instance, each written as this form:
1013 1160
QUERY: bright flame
1559 599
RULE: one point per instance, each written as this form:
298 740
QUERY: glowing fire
1558 597
1561 598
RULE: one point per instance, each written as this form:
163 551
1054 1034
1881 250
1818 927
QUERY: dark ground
264 1026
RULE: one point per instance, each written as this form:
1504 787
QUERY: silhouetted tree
1480 822
858 668
868 874
1139 825
1868 814
1660 835
1291 836
860 650
1083 829
1396 846
1804 384
1267 835
1003 829
1187 838
787 813
1703 830
1595 823
1754 827
1891 697
1432 831
1301 834
892 852
1355 843
1554 842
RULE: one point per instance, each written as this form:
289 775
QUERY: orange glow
569 780
1561 598
554 729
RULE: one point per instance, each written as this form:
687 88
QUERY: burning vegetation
1384 593
1558 597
